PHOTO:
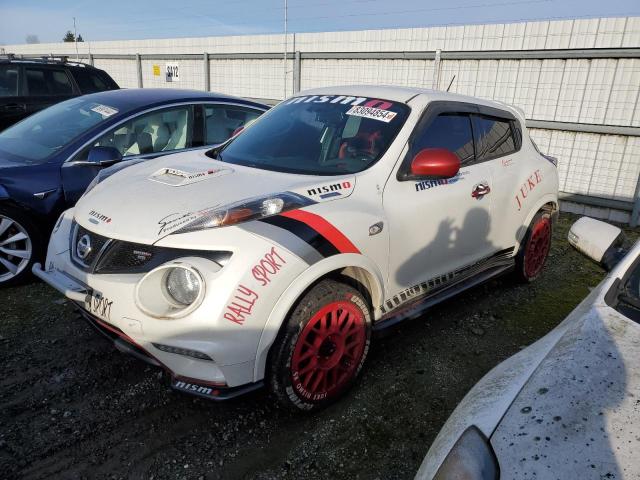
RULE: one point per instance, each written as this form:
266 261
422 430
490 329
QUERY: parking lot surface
71 406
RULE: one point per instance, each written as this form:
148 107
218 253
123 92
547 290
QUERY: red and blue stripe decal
315 231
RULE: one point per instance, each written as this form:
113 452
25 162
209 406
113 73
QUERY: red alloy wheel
328 351
537 248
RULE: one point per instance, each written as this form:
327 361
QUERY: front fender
352 261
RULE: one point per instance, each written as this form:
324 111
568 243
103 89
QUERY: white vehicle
567 406
271 259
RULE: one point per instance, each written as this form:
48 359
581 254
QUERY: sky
130 19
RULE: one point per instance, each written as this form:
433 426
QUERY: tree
80 39
69 37
31 38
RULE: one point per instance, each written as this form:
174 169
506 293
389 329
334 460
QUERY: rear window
494 137
319 135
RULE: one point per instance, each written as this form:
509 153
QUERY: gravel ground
71 406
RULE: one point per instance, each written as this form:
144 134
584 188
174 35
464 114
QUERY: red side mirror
435 162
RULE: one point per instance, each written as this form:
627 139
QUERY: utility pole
285 50
75 35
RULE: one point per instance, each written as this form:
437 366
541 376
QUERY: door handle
480 190
14 107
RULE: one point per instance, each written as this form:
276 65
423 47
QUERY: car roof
133 98
406 94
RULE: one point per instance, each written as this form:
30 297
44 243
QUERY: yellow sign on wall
156 70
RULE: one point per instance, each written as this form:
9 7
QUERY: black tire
20 223
534 249
339 354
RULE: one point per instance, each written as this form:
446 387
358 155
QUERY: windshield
318 135
628 301
42 134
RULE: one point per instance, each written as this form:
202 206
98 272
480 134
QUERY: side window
60 83
8 81
36 82
494 137
90 82
221 121
48 82
154 132
448 130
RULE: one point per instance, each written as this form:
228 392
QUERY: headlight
471 458
182 285
173 290
245 210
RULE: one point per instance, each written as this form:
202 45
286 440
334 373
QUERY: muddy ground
71 406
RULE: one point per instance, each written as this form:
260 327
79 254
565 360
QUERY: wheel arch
547 203
355 269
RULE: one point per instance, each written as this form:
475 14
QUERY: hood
145 202
578 415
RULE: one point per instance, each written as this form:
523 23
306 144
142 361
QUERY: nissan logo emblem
83 248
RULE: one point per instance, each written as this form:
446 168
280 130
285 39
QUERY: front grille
127 257
117 256
86 247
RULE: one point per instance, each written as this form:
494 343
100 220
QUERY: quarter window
494 137
154 132
8 81
90 82
448 130
222 121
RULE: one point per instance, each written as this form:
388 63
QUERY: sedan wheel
16 249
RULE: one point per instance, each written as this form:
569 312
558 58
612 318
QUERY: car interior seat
219 126
178 138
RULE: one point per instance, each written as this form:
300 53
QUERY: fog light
182 285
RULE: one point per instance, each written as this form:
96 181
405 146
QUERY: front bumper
80 294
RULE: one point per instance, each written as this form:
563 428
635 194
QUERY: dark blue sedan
48 159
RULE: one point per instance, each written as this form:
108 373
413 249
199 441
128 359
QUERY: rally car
272 258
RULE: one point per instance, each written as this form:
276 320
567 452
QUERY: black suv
31 84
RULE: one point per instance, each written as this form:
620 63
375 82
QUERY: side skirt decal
412 297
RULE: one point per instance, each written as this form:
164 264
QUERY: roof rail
51 58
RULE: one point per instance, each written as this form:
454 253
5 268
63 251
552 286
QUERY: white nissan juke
271 259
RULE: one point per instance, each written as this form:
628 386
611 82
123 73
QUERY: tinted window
42 134
319 135
90 82
8 81
494 137
60 83
36 82
222 121
153 132
48 82
448 130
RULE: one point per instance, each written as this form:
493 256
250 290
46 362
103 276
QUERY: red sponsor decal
242 305
269 266
534 179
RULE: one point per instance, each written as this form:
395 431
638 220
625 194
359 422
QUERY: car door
146 135
46 85
12 102
498 142
438 226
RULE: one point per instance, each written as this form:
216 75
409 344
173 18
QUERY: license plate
97 304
